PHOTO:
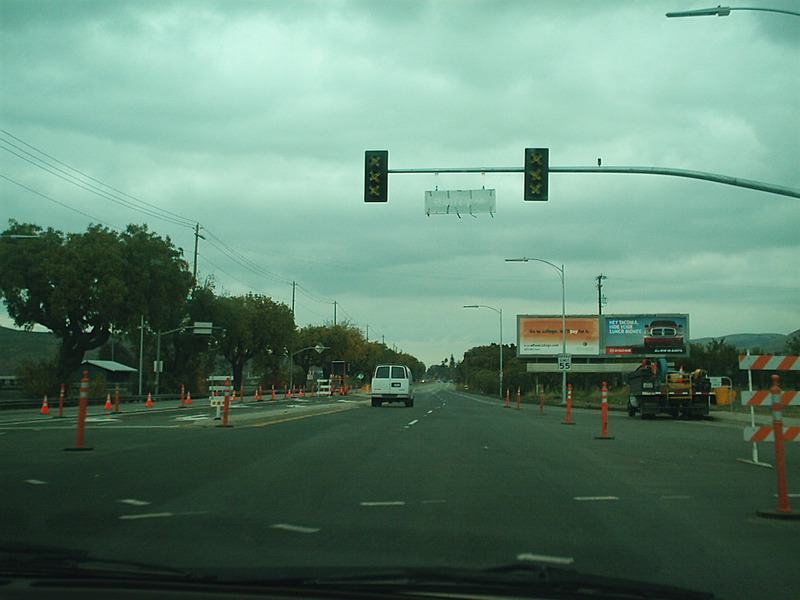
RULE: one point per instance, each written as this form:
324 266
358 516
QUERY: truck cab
392 383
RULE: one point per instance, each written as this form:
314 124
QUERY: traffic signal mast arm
724 179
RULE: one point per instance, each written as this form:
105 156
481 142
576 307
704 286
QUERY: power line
52 165
80 180
46 197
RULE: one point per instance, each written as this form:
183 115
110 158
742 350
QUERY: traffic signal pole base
604 437
757 463
779 514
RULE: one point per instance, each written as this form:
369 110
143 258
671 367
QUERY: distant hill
771 343
18 346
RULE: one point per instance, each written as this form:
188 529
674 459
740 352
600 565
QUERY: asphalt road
457 480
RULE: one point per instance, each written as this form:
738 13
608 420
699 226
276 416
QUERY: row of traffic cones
45 410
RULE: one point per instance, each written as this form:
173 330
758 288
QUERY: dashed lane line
544 558
295 528
594 498
134 502
159 515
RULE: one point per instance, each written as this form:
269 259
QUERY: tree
255 326
346 342
715 358
81 285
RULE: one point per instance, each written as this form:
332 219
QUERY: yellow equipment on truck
658 388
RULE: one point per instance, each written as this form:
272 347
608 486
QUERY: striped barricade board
218 394
764 398
766 433
769 362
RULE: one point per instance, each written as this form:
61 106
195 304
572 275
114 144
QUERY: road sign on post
536 169
564 362
376 176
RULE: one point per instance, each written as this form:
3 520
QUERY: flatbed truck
656 388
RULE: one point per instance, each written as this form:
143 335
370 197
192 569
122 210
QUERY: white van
392 383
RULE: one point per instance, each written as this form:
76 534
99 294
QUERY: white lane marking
414 422
35 481
295 528
430 411
160 515
147 516
389 503
789 495
554 560
192 418
149 426
134 502
676 497
592 498
101 420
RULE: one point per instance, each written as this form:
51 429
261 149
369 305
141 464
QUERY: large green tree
255 327
346 342
81 285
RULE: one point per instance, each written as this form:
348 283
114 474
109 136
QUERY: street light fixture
319 348
499 311
198 328
560 271
724 11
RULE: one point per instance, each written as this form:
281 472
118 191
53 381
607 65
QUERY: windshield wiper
30 560
524 580
519 579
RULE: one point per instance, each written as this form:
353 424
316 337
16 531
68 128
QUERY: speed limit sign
564 362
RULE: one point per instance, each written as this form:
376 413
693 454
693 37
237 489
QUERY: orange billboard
541 336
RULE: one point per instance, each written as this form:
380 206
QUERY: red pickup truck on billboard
663 334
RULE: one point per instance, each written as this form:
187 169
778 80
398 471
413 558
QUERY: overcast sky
252 118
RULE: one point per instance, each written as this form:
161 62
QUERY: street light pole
319 348
724 11
560 271
499 311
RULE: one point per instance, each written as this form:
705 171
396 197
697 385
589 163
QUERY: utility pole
335 304
197 237
600 298
294 287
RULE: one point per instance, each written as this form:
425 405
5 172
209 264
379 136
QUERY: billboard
606 335
541 336
646 335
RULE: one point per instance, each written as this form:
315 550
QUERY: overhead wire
67 206
52 165
87 182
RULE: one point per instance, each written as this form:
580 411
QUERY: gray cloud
251 118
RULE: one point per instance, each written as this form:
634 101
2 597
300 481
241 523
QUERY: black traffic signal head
376 175
536 169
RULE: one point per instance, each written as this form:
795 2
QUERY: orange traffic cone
45 410
149 400
272 395
188 397
108 402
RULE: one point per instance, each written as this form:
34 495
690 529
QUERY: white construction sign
460 202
